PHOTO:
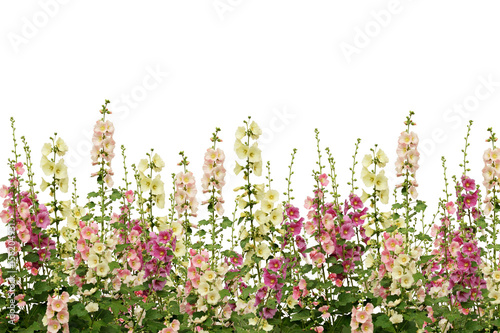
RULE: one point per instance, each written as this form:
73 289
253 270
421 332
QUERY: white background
350 69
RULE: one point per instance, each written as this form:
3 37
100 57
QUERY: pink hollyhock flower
308 203
463 263
318 329
357 217
268 313
391 243
164 236
19 168
323 179
58 305
129 195
176 325
87 232
302 284
369 308
328 247
346 231
468 183
198 260
63 316
470 200
328 222
296 293
53 326
24 235
135 264
463 296
292 212
23 210
274 264
296 227
42 219
270 280
469 248
367 327
355 201
4 191
309 227
362 316
237 261
347 266
318 258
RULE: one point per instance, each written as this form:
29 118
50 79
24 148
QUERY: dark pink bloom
346 231
274 264
292 212
356 202
270 280
468 183
470 200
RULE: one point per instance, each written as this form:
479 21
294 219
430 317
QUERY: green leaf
92 195
203 222
112 265
174 307
192 298
306 268
472 326
425 259
304 314
32 257
420 206
337 269
78 310
226 223
115 195
86 217
3 256
224 292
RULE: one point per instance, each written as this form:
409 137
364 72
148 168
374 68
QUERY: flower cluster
57 315
361 318
103 147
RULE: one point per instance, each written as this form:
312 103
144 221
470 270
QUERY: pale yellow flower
367 177
47 166
382 157
203 288
92 307
62 148
146 184
157 187
143 165
255 129
407 280
254 153
266 206
158 163
263 251
276 216
381 181
257 168
367 161
240 132
237 168
272 196
102 269
213 297
46 149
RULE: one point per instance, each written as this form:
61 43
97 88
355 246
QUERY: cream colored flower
98 247
176 229
93 261
496 276
257 168
237 168
367 177
407 280
180 249
203 288
240 132
272 196
63 184
381 181
92 307
209 275
496 297
255 129
146 184
384 196
254 153
60 170
143 165
382 158
44 185
396 318
102 269
46 149
158 163
157 187
62 148
213 297
276 216
403 259
367 160
261 217
266 206
263 251
369 261
160 200
397 272
47 166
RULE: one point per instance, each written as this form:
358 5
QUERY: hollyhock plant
140 257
